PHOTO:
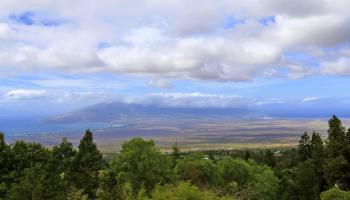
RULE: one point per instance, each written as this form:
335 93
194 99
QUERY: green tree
247 155
62 155
308 182
304 147
336 141
269 158
347 157
198 169
183 191
318 157
27 155
335 194
39 184
235 174
336 164
86 165
335 170
288 189
141 164
288 159
32 175
4 166
176 153
248 180
317 149
60 163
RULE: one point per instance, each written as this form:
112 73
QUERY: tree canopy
315 169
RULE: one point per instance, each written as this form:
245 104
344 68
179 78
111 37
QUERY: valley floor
194 133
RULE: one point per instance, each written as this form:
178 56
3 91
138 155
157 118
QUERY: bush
335 194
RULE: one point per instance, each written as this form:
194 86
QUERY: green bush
335 194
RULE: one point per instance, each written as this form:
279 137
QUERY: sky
288 58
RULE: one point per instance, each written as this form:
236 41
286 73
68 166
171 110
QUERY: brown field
196 133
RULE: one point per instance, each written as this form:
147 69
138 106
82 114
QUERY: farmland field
193 133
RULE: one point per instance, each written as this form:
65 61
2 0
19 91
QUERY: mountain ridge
107 112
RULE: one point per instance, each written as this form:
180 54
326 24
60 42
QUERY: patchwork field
195 133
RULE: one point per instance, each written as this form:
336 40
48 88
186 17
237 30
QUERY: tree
38 183
247 180
234 170
288 189
264 184
86 165
335 170
199 170
336 141
141 164
308 182
60 163
176 153
183 190
347 157
247 155
62 155
317 148
26 155
4 166
304 147
318 157
3 154
335 194
289 158
269 158
336 164
31 175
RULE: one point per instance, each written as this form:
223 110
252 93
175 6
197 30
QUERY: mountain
107 112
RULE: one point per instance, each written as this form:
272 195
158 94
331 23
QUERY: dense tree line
316 169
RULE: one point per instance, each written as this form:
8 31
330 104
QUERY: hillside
107 112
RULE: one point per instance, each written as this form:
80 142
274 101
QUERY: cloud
309 99
25 94
294 8
160 83
151 38
340 66
213 58
269 101
193 100
199 100
298 71
76 96
5 30
58 96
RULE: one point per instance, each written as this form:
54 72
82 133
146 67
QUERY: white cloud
25 94
298 71
173 38
57 96
5 31
199 100
269 101
295 8
76 96
337 67
160 83
194 100
308 99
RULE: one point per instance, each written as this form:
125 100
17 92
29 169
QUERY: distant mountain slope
106 112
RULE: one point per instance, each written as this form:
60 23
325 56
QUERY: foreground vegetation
316 169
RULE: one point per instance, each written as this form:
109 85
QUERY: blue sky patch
266 21
24 18
232 21
30 18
